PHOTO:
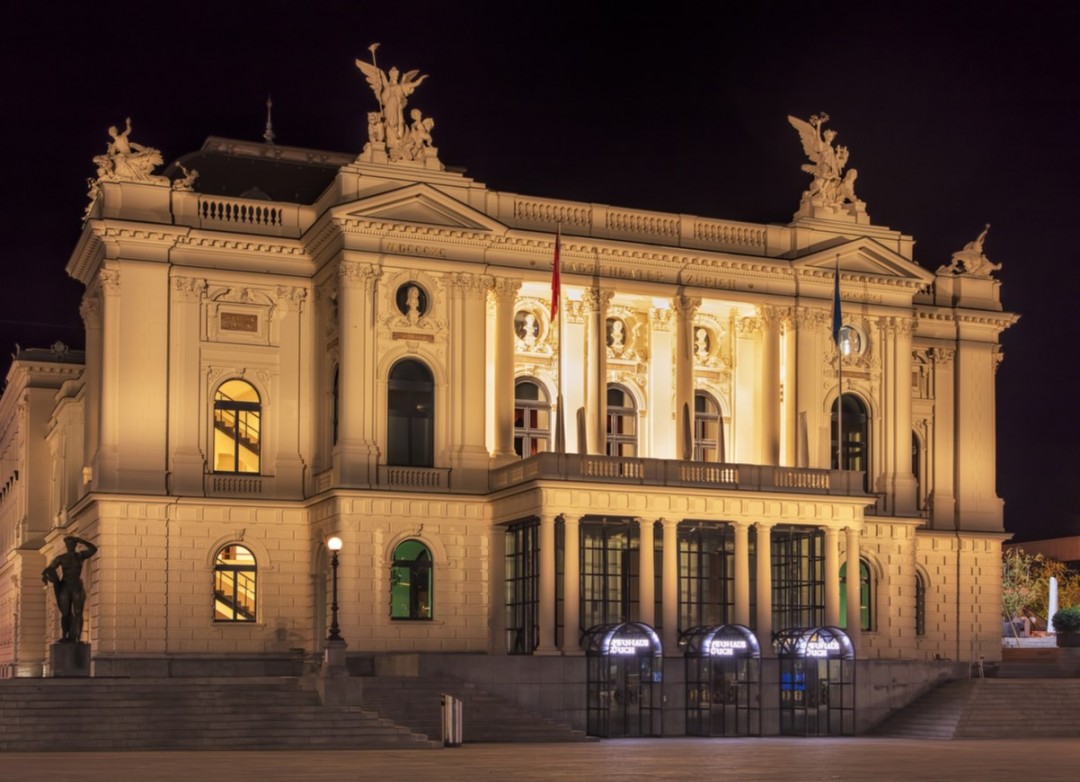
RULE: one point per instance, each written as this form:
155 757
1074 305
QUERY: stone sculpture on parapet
971 260
390 138
123 161
831 189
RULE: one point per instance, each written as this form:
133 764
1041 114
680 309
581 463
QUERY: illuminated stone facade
323 345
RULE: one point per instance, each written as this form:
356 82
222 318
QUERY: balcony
678 474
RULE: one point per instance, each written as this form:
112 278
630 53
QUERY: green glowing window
411 582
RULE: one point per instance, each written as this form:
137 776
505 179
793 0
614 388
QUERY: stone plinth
69 660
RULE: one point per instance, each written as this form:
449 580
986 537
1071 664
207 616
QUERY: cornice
999 320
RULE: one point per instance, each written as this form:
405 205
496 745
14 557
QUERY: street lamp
334 544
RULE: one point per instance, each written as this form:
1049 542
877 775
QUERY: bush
1067 620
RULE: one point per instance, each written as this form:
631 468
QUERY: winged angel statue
387 127
826 163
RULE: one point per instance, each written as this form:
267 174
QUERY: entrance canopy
820 643
626 639
732 640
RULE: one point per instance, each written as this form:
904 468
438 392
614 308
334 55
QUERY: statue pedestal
69 660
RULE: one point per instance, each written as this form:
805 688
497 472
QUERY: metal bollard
451 721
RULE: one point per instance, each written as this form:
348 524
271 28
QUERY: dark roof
244 176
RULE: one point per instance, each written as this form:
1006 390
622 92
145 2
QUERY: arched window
411 581
920 604
234 584
865 596
410 438
856 427
237 419
621 423
708 429
532 419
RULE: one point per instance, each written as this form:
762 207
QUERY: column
504 294
742 573
902 479
746 402
468 356
942 497
354 454
106 461
292 388
547 585
572 368
854 620
670 576
768 421
187 463
832 577
595 302
763 551
497 590
685 309
789 422
647 573
90 310
571 585
661 380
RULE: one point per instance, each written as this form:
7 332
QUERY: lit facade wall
313 309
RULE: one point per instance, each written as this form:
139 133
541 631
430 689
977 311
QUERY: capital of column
504 290
770 316
290 297
747 328
942 356
596 300
904 327
189 288
574 311
472 286
90 310
352 274
685 307
997 357
660 318
110 281
811 317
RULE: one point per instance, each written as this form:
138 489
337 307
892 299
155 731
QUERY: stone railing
228 485
666 472
414 478
600 221
242 215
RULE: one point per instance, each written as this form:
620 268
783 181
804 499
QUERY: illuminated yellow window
237 418
410 581
235 574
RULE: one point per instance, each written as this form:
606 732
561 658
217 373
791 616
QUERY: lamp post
335 644
334 544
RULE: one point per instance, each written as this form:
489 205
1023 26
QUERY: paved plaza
881 760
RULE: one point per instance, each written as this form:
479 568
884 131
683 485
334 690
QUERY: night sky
956 115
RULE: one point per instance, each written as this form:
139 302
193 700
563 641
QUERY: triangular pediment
865 258
422 204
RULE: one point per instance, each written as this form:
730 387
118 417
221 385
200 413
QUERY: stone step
182 714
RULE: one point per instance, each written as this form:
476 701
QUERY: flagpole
838 324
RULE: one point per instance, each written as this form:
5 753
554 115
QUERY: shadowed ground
853 759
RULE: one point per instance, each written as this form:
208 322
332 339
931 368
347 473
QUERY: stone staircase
989 709
234 713
415 702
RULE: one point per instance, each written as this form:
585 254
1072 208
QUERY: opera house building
626 467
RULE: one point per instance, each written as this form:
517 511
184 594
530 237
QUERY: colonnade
761 622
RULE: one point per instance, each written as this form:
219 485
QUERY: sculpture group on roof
388 132
830 187
971 260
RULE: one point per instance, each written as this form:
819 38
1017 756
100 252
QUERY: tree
1018 586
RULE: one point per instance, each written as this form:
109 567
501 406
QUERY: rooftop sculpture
971 260
831 187
390 137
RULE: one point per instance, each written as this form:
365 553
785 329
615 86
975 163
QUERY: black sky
955 114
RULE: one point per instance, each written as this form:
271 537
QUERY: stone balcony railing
667 472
